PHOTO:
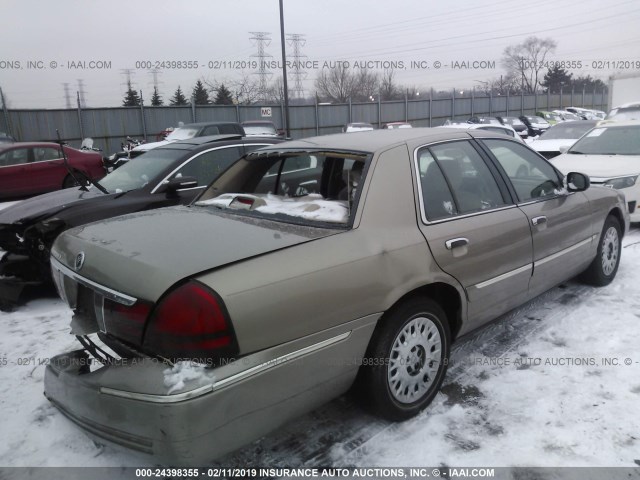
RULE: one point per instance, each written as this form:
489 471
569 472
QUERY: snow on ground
534 389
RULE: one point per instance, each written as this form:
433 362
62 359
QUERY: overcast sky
412 33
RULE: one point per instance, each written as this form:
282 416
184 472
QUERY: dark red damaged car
32 168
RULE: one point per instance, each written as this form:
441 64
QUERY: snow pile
309 207
181 373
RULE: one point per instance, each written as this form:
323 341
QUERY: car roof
195 142
613 123
6 146
207 124
628 105
375 140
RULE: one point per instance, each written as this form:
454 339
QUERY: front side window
531 176
454 180
208 165
298 187
46 153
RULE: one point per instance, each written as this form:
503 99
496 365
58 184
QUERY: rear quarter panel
327 282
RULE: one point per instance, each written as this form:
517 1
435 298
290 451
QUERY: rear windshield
318 188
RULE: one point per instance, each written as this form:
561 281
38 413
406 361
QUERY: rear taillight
190 323
126 323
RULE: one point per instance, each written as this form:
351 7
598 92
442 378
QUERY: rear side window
531 176
17 156
455 180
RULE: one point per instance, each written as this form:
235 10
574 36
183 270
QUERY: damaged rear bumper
128 403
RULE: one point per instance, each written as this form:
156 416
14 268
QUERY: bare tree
388 88
526 61
505 84
335 84
275 91
244 89
366 85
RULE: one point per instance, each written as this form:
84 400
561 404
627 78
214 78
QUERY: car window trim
190 159
506 178
423 216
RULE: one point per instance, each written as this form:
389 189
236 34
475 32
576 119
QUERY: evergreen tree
200 95
179 98
223 96
131 98
156 99
555 78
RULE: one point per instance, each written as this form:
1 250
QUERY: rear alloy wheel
604 267
407 359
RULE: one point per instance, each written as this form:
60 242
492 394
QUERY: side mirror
180 183
564 149
577 182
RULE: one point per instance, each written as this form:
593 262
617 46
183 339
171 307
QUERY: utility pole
5 112
81 92
284 72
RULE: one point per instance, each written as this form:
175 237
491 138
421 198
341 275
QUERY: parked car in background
488 127
626 112
6 138
583 113
566 116
550 117
357 127
610 155
564 134
485 120
392 125
261 128
31 168
192 130
306 267
535 125
172 174
515 123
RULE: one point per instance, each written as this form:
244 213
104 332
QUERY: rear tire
604 267
406 360
69 182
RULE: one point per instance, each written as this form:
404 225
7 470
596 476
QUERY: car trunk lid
143 254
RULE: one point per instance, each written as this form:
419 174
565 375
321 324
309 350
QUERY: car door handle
456 242
539 220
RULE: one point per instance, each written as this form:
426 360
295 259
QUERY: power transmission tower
155 73
297 41
262 39
67 95
81 93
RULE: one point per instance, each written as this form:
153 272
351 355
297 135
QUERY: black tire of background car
373 385
595 274
69 182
